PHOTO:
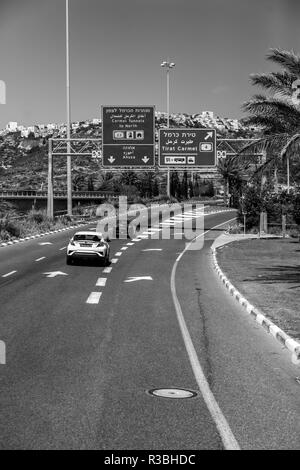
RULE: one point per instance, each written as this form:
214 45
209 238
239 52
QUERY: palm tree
232 172
129 178
277 115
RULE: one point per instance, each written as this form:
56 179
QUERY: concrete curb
292 345
39 235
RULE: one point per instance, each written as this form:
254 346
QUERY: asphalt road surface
86 344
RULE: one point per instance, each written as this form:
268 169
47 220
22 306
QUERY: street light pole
288 173
69 171
169 65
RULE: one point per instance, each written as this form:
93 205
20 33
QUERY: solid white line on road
45 243
63 248
94 298
229 441
124 248
118 253
114 260
101 282
40 259
9 274
107 270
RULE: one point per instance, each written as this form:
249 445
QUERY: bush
293 232
235 228
10 227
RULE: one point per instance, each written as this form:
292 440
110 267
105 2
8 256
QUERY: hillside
24 160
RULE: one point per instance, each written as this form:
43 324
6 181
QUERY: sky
117 46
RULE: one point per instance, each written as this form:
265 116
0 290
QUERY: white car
88 244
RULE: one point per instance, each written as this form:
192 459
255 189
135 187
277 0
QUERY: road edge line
227 437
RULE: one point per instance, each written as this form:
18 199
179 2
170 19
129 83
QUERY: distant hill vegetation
24 160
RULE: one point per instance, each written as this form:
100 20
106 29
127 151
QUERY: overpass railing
57 194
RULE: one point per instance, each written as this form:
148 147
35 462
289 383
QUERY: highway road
87 344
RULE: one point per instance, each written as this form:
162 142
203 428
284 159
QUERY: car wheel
68 260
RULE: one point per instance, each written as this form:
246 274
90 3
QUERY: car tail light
100 244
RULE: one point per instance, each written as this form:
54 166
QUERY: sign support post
50 211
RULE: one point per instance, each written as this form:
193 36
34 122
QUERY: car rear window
93 238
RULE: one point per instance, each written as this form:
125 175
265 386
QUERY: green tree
129 178
278 114
232 172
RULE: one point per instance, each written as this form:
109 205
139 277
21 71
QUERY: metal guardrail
57 194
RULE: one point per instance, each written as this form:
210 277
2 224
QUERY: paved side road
78 374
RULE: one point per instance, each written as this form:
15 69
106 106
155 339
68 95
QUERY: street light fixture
168 66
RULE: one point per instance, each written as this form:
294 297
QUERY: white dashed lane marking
130 244
9 274
114 260
124 248
40 259
94 298
63 248
118 253
107 270
101 282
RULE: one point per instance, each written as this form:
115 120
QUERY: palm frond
266 143
286 59
271 107
277 82
291 146
269 125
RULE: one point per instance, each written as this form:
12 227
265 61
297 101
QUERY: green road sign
187 148
128 136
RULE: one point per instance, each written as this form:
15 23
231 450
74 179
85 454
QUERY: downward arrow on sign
145 159
111 159
55 273
139 278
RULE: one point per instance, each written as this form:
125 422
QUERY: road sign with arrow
128 136
187 148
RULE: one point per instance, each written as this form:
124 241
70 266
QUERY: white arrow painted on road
153 249
209 134
45 243
55 273
139 278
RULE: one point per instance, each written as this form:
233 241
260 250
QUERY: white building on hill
12 126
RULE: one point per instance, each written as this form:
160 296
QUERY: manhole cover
172 393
